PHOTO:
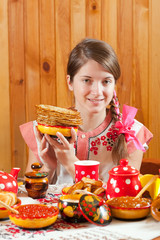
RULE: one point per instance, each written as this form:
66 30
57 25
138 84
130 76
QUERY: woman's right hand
46 151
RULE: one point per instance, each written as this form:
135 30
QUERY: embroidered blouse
92 145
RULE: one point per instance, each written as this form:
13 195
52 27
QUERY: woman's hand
46 151
64 150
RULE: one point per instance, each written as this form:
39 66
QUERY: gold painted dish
129 208
34 216
4 211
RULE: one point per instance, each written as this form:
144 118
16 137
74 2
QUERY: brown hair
102 53
96 50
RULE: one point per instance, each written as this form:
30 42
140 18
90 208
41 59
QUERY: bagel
51 119
76 186
99 190
155 208
97 183
9 198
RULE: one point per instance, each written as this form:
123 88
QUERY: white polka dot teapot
8 182
123 181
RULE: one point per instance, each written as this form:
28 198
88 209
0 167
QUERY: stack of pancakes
51 119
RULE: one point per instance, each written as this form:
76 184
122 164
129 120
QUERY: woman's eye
86 80
107 81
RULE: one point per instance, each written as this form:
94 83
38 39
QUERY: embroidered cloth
127 230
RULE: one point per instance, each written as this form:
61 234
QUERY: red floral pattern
94 211
49 199
11 231
107 140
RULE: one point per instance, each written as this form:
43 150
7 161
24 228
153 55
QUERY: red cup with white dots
86 168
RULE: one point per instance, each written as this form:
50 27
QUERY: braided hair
120 147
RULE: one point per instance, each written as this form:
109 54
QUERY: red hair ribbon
124 126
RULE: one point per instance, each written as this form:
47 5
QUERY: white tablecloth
145 229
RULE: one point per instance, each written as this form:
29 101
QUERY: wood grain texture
141 60
109 22
17 81
37 38
63 39
154 77
47 52
125 50
93 19
5 149
32 60
78 21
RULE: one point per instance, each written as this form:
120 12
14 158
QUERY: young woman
105 135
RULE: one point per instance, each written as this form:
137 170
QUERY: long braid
120 147
115 107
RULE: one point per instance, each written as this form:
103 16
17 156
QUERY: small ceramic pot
36 182
123 181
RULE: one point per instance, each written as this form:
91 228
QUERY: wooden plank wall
36 38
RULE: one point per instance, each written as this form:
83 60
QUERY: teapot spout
14 172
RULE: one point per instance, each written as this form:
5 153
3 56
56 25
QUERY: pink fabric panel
144 136
27 132
82 147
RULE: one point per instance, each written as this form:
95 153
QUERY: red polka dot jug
8 182
123 181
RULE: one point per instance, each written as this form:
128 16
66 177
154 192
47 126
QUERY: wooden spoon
147 186
9 208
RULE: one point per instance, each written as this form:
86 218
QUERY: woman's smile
95 100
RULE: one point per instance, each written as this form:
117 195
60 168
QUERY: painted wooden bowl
34 216
69 209
85 207
129 207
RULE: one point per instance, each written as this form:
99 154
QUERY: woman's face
93 88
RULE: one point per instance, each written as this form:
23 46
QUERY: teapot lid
95 209
36 173
124 169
